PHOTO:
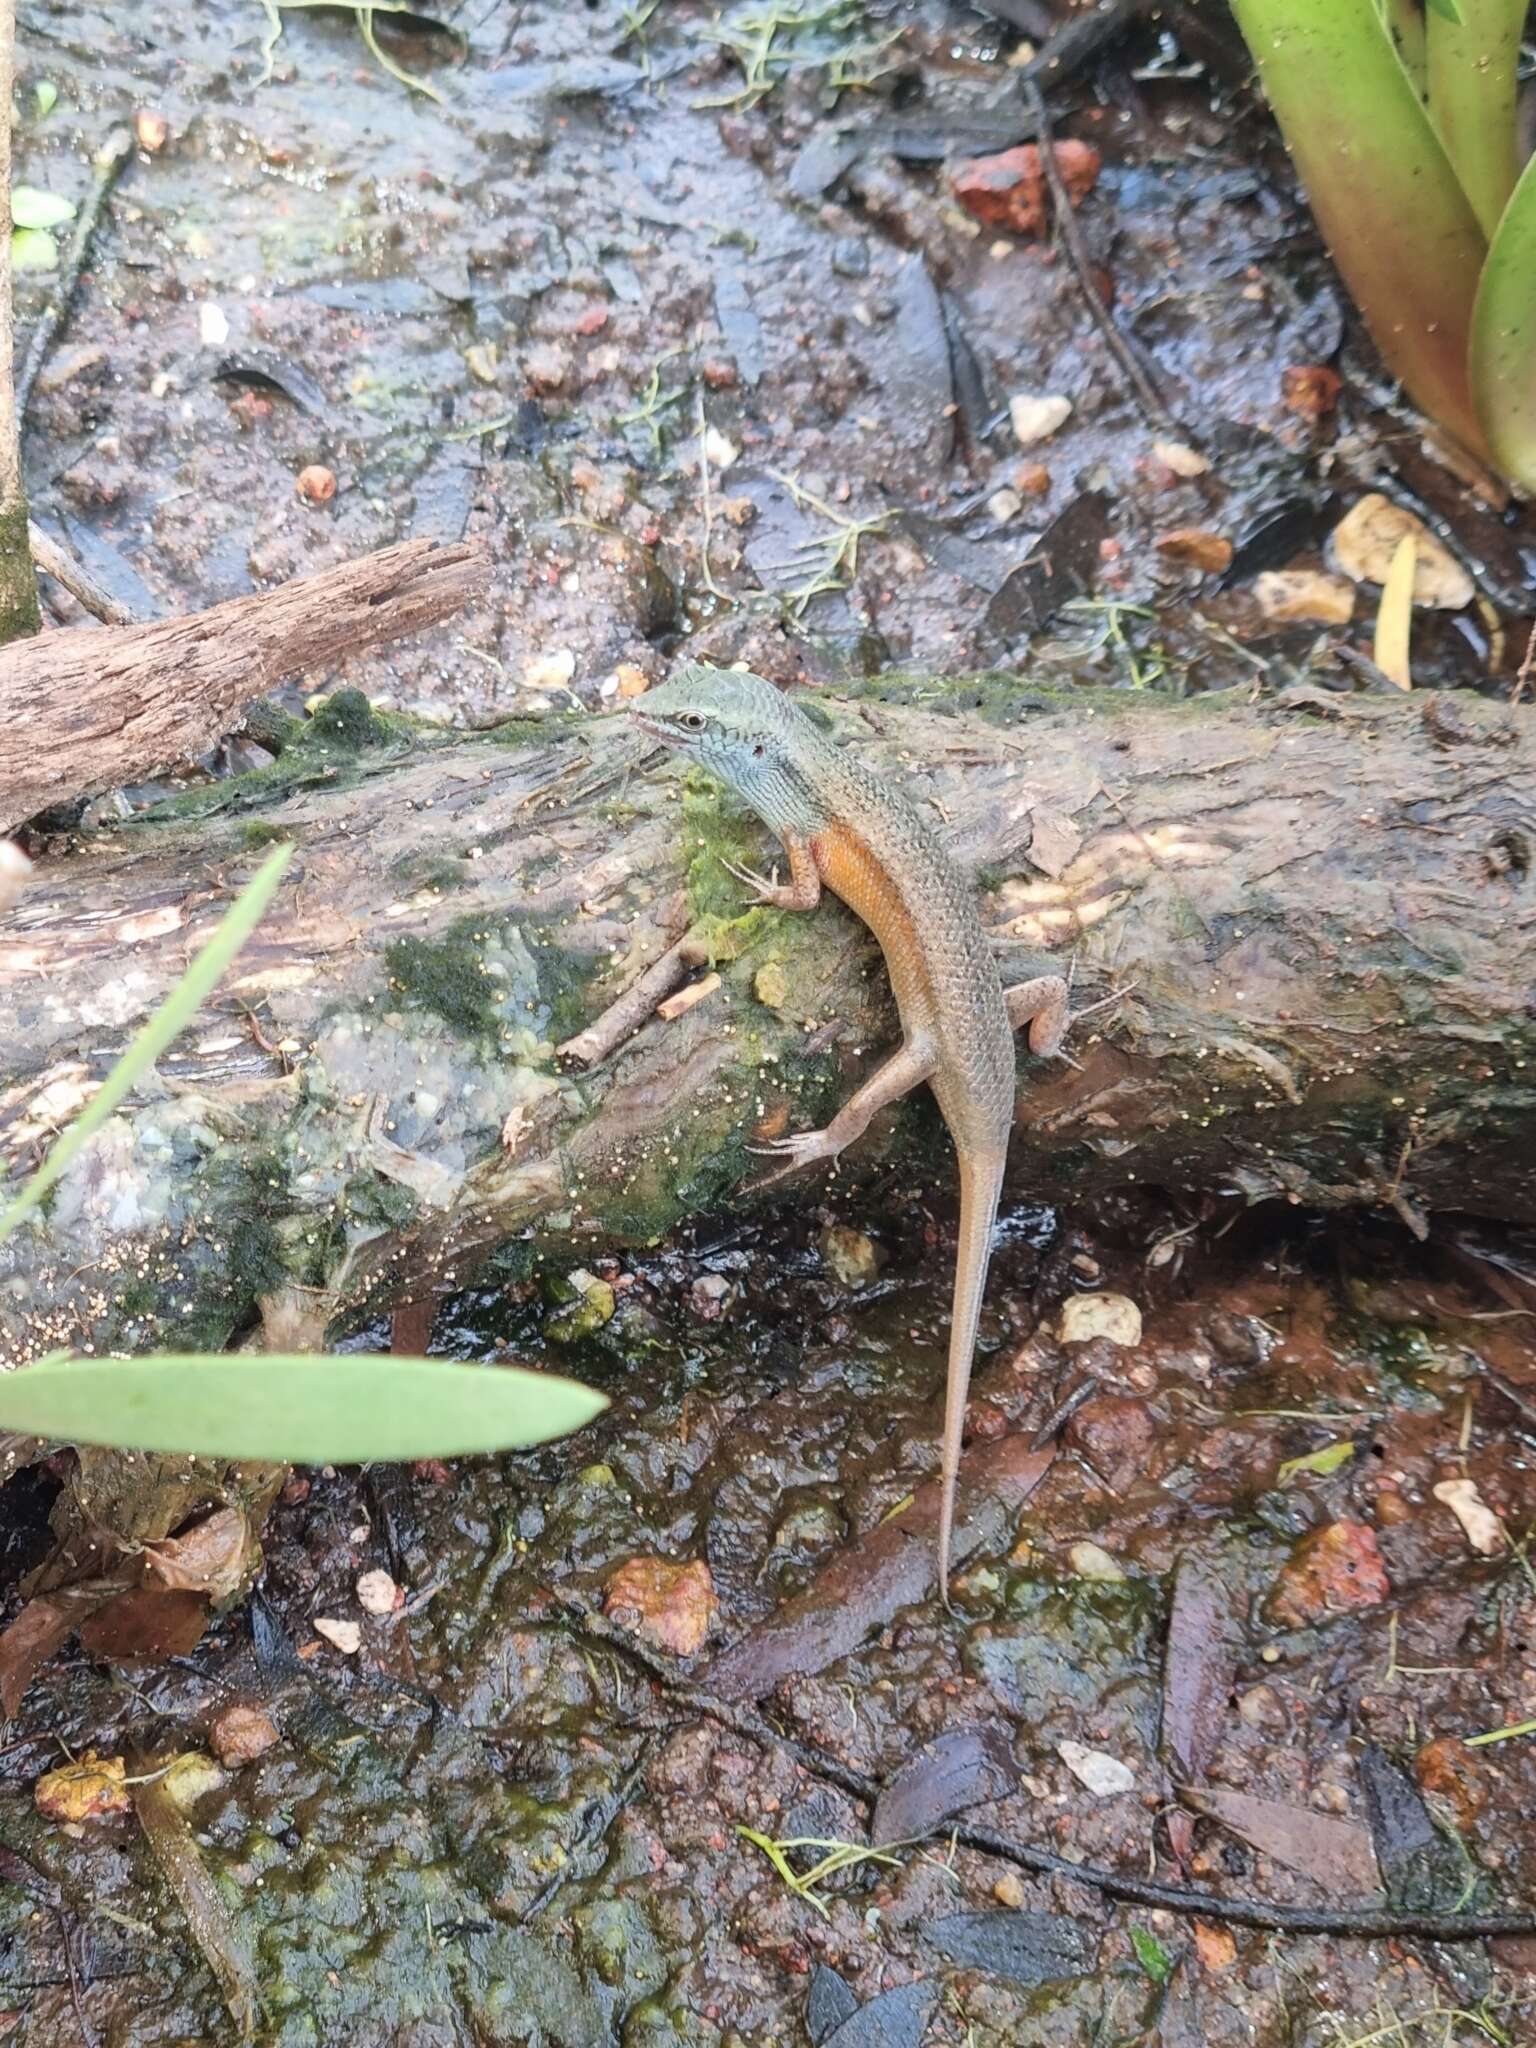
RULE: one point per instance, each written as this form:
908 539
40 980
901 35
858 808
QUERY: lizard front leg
914 1062
803 889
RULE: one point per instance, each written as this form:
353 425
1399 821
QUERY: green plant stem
1472 85
1402 231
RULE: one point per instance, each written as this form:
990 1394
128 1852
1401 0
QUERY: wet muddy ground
1280 1554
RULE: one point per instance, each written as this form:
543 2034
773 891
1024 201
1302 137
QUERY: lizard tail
981 1180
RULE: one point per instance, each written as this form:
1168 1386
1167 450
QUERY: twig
110 160
624 1017
1066 220
1077 41
58 563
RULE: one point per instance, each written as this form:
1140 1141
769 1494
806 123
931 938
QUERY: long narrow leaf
1394 618
1503 357
162 1030
1401 229
1471 65
302 1410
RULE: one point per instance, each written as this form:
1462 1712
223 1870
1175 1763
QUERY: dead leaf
894 1566
1365 543
26 1646
671 1606
1481 1525
91 1789
215 1556
146 1625
1199 1666
1286 595
1336 1854
1394 616
958 1769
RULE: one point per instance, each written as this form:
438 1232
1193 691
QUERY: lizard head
738 727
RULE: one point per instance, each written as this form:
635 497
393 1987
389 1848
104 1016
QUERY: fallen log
91 709
1317 913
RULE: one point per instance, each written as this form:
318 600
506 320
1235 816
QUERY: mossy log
1315 914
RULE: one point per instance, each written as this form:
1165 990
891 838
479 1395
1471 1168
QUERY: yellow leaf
1394 620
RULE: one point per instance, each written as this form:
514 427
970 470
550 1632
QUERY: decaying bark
88 710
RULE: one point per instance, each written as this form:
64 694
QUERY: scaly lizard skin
840 825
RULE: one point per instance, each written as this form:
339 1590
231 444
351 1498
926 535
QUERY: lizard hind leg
1042 1005
913 1063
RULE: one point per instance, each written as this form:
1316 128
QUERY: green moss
256 833
718 828
446 976
507 984
348 722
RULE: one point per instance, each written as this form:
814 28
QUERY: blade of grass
163 1028
301 1409
1503 351
1394 615
1401 229
1471 68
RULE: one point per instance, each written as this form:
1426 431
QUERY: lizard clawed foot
805 1148
765 888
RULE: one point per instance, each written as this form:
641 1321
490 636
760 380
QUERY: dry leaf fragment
88 1790
1482 1527
1113 1316
1366 539
1103 1775
1394 616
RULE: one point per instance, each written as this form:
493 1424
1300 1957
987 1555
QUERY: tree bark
94 708
1318 914
18 583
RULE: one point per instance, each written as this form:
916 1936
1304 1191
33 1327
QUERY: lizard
845 828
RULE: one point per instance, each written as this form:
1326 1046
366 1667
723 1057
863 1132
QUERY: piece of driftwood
90 709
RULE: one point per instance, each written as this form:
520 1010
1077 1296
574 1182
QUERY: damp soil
520 314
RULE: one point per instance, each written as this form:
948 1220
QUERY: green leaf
1448 10
31 208
45 95
1151 1955
31 249
1472 60
1327 1460
163 1028
303 1410
1503 355
1390 206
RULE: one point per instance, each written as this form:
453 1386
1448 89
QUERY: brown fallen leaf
146 1625
894 1566
1199 1666
1365 542
215 1556
1336 1854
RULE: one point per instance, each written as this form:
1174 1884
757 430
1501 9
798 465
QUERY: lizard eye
691 721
